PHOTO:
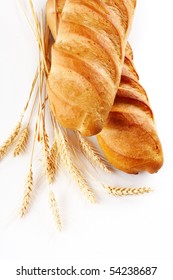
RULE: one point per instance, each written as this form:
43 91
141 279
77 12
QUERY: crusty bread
129 139
87 60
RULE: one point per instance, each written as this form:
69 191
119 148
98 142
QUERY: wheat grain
22 142
5 146
93 155
27 194
66 156
55 210
126 191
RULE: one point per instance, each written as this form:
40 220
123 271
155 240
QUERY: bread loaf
129 138
87 60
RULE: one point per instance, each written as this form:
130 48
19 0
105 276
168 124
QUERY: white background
115 228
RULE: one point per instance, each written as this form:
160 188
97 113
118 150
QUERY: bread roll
87 60
129 138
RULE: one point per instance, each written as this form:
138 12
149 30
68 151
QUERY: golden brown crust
87 60
129 138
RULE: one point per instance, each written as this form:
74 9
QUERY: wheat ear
22 142
55 210
46 142
5 146
92 154
46 155
66 157
53 161
127 191
27 194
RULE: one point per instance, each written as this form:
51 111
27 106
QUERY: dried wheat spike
27 194
127 191
53 162
46 155
66 156
92 154
46 142
10 140
22 142
55 211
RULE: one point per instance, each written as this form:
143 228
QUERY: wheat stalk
126 191
38 35
22 142
41 118
55 210
66 156
34 82
93 155
27 194
5 146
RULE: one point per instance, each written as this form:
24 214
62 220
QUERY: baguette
87 60
129 139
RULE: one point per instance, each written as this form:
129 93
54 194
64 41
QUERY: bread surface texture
129 138
87 59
